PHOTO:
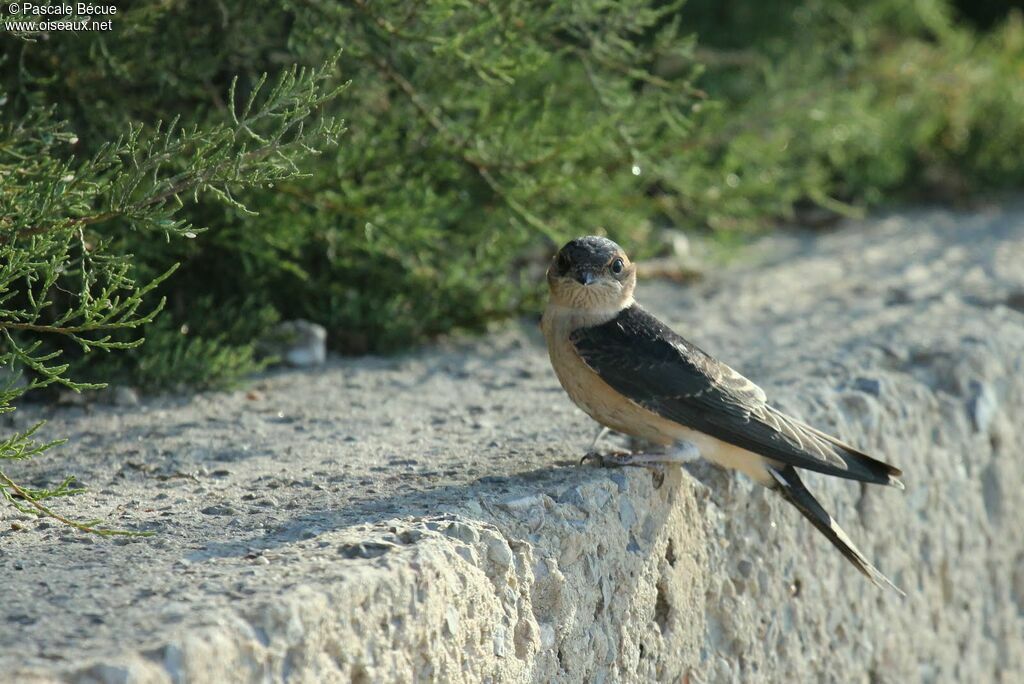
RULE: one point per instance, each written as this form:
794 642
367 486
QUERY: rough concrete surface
422 517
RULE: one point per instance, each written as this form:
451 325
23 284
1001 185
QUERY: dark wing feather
642 358
793 490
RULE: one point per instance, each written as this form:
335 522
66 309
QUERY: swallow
631 373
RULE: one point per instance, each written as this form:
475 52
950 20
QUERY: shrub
65 280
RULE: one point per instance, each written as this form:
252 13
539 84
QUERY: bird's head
591 273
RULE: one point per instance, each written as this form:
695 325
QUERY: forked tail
794 491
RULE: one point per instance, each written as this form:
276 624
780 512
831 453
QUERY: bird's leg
678 453
600 433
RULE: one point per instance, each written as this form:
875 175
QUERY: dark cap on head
590 251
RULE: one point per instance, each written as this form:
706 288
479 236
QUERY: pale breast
594 395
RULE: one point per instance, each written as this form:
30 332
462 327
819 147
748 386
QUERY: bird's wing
640 357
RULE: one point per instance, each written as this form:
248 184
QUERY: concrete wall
905 336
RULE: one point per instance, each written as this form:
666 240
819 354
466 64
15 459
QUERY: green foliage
846 106
478 132
482 134
214 356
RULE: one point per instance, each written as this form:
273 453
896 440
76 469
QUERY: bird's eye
617 266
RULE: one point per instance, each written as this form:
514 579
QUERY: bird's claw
613 459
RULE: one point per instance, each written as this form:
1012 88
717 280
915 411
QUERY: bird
633 374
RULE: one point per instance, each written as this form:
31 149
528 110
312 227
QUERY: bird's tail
794 491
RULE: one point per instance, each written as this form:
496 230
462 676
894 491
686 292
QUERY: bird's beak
585 277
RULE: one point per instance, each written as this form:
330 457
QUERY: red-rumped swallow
631 373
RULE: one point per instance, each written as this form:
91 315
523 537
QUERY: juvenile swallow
631 373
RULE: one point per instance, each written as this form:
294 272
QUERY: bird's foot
684 452
620 459
657 462
612 459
